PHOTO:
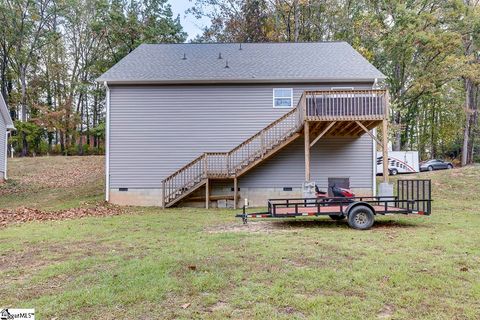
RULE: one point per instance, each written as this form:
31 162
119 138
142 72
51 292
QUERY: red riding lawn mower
337 192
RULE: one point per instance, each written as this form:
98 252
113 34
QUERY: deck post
307 150
164 193
235 192
385 150
207 194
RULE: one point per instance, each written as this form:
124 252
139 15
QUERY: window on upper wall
283 98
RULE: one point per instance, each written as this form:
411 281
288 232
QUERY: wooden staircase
236 162
323 107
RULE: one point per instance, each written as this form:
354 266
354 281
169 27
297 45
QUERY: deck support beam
385 150
307 150
368 131
235 192
207 194
323 133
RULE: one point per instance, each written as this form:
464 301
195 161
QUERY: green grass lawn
194 263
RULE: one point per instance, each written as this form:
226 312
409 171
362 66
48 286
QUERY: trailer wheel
393 172
361 217
337 218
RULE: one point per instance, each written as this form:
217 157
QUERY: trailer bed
331 210
413 197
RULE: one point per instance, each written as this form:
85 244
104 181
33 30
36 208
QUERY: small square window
283 98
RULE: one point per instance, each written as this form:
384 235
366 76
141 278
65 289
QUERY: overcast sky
190 24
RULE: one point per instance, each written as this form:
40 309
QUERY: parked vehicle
399 162
413 197
435 164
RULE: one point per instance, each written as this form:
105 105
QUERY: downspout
374 181
6 158
107 142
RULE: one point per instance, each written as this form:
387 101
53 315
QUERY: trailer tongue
413 197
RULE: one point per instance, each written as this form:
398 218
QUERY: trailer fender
357 203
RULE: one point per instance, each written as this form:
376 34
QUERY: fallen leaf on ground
24 214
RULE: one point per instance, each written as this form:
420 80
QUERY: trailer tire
393 172
336 217
361 217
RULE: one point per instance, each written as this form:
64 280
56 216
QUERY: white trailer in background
399 162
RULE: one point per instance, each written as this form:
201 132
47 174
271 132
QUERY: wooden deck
333 113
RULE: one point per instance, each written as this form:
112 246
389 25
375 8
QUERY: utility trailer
413 197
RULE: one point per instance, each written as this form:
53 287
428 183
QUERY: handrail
186 166
313 104
286 115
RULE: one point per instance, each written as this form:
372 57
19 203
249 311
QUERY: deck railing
312 106
346 105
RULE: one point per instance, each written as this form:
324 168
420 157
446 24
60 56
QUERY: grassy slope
194 263
53 183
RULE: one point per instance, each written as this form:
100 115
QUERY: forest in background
51 51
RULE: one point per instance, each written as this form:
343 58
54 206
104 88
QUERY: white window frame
282 107
342 88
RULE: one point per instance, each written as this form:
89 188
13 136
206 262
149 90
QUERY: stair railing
184 178
227 164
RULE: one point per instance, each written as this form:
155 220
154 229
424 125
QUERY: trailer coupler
245 216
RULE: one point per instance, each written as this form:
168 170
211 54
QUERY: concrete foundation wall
257 197
136 197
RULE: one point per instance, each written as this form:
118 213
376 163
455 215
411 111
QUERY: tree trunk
62 142
23 83
468 85
296 19
80 141
397 142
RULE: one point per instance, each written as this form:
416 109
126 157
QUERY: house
6 125
211 124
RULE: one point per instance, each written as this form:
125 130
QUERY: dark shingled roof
255 62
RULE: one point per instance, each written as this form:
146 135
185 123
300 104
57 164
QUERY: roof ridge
254 43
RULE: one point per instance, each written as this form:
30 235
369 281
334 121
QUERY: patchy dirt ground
259 226
294 225
24 214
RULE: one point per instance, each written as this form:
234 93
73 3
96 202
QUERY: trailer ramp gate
413 197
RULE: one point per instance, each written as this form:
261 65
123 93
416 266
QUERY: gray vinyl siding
330 157
3 130
155 130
